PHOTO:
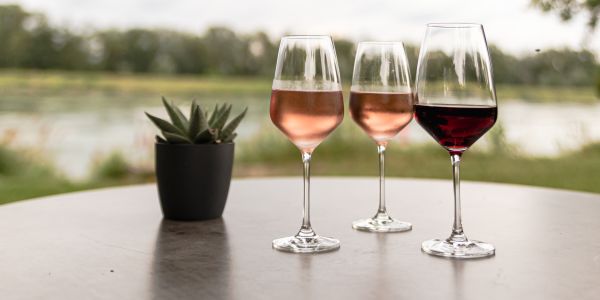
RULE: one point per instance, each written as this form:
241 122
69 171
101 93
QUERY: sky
513 25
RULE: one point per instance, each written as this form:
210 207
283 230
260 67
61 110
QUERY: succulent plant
202 127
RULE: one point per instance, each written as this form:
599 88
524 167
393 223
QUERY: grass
24 175
56 82
20 83
349 153
546 93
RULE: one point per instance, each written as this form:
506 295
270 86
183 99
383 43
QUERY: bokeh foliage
30 42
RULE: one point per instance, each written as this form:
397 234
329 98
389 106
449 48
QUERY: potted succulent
194 160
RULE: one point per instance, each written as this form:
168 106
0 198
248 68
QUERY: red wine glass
306 105
381 103
456 105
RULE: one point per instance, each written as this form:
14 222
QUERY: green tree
412 54
110 50
46 47
345 51
225 51
180 53
561 67
142 47
507 68
598 81
568 8
263 53
134 50
30 42
72 51
13 35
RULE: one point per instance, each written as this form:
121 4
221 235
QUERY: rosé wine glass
306 105
381 103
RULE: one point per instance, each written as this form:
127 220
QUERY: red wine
381 115
306 117
456 127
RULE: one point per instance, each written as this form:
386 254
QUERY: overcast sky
511 24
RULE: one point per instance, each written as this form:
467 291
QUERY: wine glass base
380 223
458 249
315 244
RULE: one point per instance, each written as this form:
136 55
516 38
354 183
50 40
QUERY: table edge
284 178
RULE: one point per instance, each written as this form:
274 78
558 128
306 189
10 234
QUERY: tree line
30 42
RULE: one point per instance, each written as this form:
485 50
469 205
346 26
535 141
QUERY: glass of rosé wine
381 103
306 105
456 105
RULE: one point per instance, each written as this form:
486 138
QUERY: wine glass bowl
381 103
381 115
456 127
456 105
306 117
306 106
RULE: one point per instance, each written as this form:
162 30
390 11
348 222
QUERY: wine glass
456 105
306 105
381 103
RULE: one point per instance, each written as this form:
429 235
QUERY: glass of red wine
456 105
306 105
381 103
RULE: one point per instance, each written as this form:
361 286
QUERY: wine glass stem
381 151
457 228
306 229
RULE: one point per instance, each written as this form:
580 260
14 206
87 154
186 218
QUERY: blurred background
77 76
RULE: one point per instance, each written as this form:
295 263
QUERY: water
73 139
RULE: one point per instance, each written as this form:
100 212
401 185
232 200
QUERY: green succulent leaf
181 116
202 127
203 123
230 138
213 115
193 106
176 115
203 137
222 118
233 124
175 138
194 128
163 125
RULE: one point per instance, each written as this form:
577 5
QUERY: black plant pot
193 180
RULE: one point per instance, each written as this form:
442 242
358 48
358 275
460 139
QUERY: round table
113 244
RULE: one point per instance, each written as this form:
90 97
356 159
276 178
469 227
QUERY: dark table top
113 244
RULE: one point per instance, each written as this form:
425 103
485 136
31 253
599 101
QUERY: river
73 139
